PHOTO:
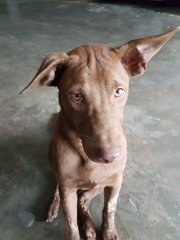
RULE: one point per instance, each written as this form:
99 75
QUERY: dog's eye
119 92
76 96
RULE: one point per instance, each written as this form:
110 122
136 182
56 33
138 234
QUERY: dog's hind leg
54 206
85 222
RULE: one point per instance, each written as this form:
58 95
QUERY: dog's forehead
94 55
99 63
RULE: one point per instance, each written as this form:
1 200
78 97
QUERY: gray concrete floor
149 203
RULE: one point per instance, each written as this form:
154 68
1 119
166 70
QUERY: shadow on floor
26 178
168 6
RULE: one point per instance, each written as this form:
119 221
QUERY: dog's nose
108 155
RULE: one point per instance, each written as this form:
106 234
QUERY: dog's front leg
69 203
85 221
108 222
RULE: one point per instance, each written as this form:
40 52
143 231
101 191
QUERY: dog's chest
92 175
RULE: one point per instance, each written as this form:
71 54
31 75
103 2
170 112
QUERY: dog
88 150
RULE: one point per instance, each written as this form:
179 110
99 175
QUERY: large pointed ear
50 71
136 54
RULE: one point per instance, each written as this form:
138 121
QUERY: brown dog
88 147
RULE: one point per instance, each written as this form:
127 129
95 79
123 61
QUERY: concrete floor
149 203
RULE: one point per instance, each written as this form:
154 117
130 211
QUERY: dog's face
92 93
93 82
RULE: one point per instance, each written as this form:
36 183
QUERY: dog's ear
50 71
136 54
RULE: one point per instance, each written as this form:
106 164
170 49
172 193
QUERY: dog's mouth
102 159
99 160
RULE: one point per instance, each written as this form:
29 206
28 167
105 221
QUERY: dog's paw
52 214
84 202
110 235
90 233
86 227
53 209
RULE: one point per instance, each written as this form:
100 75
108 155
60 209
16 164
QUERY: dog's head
93 82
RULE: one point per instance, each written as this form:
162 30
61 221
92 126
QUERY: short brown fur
88 150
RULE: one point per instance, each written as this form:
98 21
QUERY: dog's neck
70 135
